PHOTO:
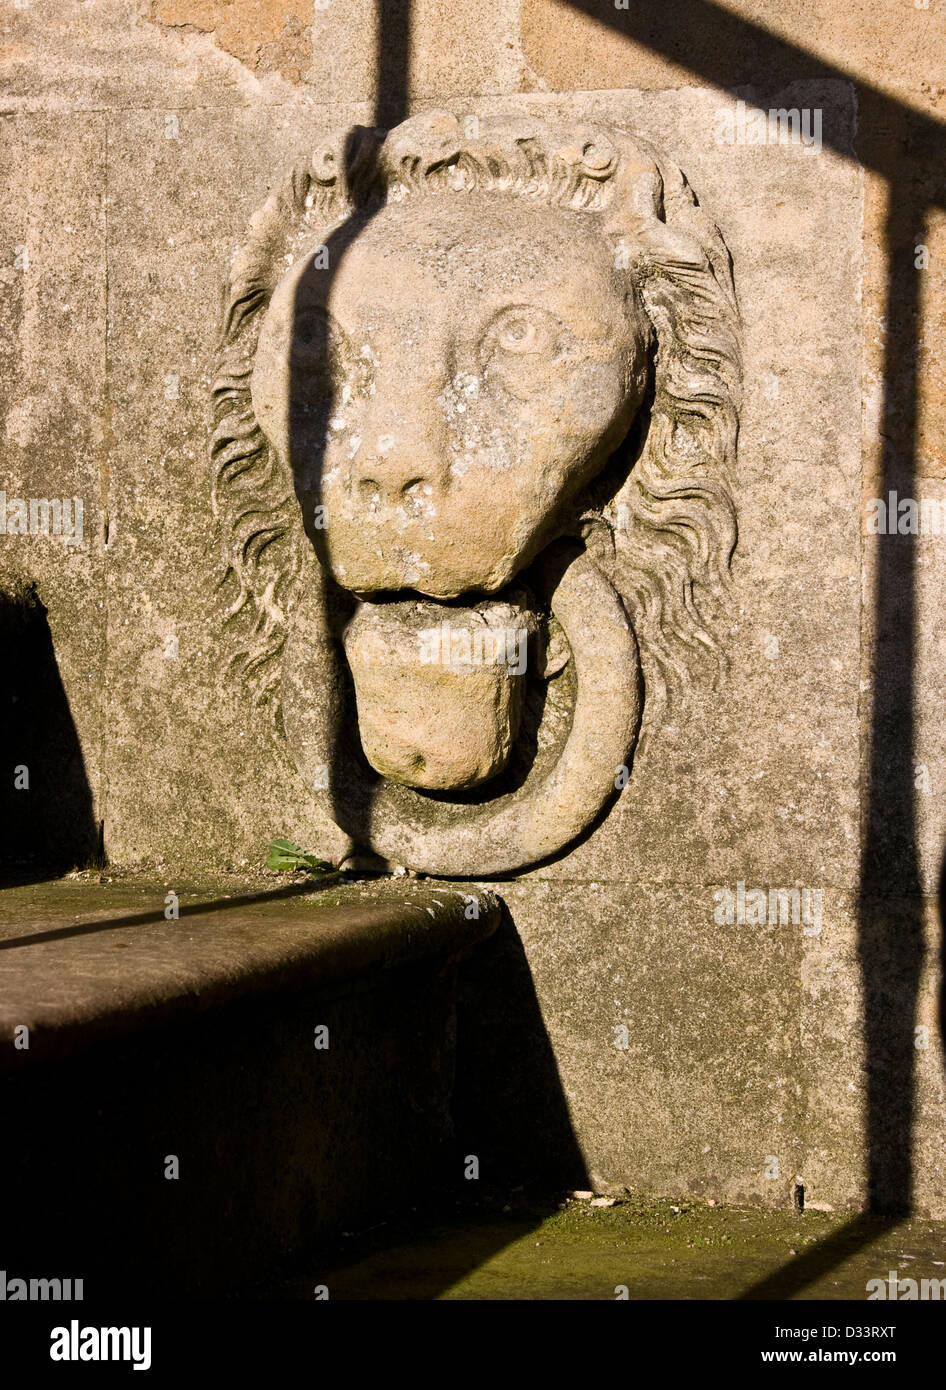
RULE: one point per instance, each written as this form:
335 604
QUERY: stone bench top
80 960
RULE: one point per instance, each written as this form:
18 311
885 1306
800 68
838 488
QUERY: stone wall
137 138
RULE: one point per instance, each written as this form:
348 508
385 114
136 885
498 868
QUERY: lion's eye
518 335
313 331
322 357
523 330
518 344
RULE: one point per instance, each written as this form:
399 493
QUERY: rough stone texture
55 433
69 55
265 34
712 1017
760 1022
367 52
842 983
765 781
929 758
163 644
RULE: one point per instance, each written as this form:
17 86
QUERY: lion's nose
390 469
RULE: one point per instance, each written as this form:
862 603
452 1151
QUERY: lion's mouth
440 687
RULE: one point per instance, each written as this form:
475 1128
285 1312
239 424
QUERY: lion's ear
636 199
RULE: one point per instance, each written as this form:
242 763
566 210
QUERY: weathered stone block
197 1096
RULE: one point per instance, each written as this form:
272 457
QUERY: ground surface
659 1250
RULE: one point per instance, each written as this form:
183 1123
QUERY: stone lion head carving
475 406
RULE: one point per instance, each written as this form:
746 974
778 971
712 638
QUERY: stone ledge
79 960
180 1130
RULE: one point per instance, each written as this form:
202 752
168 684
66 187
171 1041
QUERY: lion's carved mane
660 517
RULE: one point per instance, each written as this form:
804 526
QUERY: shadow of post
309 424
891 934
